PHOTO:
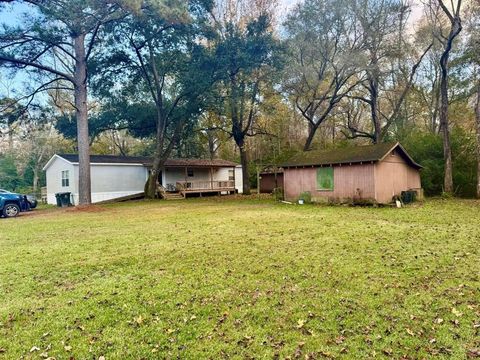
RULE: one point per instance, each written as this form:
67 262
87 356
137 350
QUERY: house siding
394 175
350 181
110 181
54 179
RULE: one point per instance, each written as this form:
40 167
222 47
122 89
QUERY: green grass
241 279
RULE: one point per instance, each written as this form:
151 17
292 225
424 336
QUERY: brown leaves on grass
473 353
86 208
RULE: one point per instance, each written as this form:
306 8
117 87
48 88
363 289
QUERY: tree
473 57
9 173
323 59
12 114
247 57
56 43
387 78
454 20
156 56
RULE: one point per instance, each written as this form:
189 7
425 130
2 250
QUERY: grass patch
240 279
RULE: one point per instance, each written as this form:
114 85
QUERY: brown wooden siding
350 181
267 182
392 176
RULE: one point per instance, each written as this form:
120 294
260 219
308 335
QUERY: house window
325 178
231 174
65 178
190 172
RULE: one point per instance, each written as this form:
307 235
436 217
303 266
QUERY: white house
118 176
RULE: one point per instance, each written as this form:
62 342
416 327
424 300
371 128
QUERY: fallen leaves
456 312
473 353
300 323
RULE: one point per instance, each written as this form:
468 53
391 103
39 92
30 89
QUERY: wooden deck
199 187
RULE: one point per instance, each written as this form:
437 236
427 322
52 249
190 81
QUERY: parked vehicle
12 204
32 200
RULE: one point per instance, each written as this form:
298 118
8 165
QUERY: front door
160 177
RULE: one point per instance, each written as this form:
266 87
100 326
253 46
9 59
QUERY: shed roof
350 155
147 161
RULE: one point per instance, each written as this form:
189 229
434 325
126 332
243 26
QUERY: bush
427 150
278 194
306 197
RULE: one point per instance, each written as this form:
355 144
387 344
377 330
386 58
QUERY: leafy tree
159 57
57 42
386 55
247 58
322 65
446 37
10 179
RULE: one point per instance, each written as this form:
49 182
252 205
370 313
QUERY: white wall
54 179
222 174
109 181
171 175
239 179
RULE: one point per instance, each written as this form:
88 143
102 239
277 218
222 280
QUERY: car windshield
4 191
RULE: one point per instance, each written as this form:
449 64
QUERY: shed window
231 174
325 178
190 172
65 178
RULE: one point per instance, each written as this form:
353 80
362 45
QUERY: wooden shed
374 173
271 178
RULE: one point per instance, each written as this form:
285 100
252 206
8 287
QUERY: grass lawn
223 278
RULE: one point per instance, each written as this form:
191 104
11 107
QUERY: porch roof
147 161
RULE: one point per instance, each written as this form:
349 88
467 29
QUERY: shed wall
267 182
394 175
350 181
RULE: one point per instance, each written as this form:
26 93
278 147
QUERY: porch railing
201 185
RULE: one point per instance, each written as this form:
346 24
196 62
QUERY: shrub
306 197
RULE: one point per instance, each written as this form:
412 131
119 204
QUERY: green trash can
408 196
63 199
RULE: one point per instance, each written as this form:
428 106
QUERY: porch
176 182
202 186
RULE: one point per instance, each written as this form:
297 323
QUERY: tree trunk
80 85
245 172
10 138
477 118
35 179
311 134
377 127
444 125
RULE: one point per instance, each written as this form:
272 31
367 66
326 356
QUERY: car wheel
11 210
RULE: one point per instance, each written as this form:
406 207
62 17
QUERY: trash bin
408 196
63 199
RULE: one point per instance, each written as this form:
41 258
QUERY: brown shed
374 173
271 178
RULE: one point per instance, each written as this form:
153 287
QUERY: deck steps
173 196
